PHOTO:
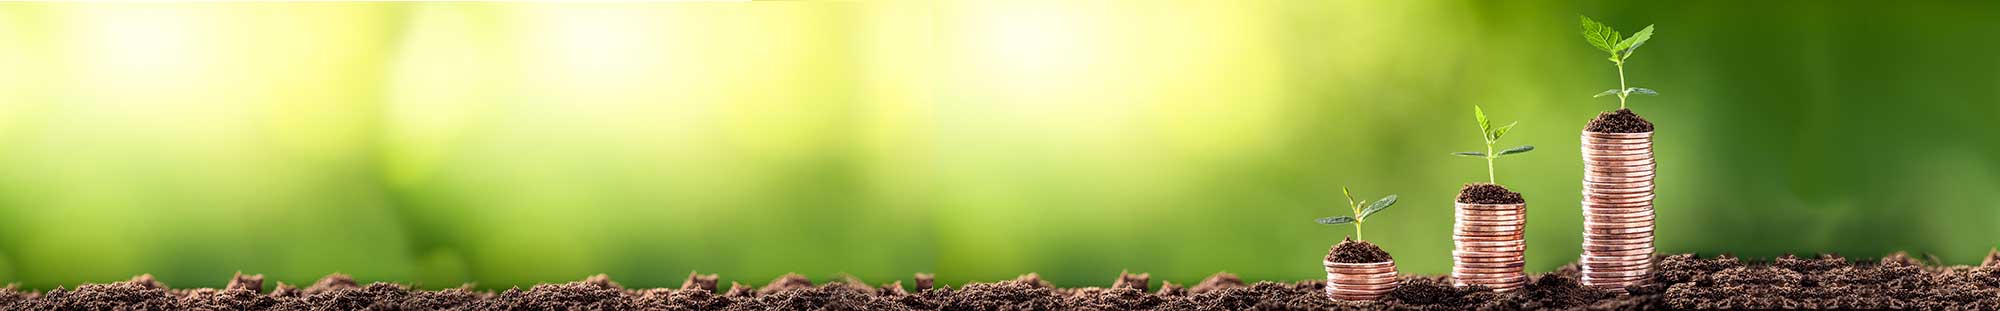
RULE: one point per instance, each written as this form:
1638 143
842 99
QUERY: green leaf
1502 131
1626 47
1609 92
1481 114
1521 149
1378 206
1350 196
1336 220
1470 154
1600 36
1641 90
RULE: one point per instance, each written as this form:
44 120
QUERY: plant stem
1622 89
1357 229
1489 163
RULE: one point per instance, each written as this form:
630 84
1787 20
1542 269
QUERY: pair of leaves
1370 209
1509 151
1635 90
1611 41
1486 126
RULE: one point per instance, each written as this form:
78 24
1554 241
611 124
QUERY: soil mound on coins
1485 193
1621 121
1351 251
1681 282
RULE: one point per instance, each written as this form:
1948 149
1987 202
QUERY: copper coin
1619 163
1356 297
1491 249
1359 271
1618 185
1617 266
1342 291
1470 270
1628 280
1588 225
1491 213
1612 249
1648 169
1490 207
1646 216
1370 287
1616 147
1489 243
1613 199
1617 236
1630 258
1463 237
1472 254
1476 228
1633 173
1619 230
1517 265
1488 224
1364 283
1632 252
1506 280
1616 244
1640 135
1587 152
1464 232
1612 158
1606 179
1625 206
1491 218
1614 141
1516 257
1610 195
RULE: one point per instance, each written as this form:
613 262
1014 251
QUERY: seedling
1610 41
1361 210
1492 135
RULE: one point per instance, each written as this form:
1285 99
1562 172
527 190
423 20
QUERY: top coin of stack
1617 209
1489 247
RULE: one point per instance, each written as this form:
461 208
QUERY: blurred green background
510 144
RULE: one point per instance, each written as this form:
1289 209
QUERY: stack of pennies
1617 209
1359 281
1488 245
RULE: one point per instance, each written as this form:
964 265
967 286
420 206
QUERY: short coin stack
1617 209
1359 281
1489 247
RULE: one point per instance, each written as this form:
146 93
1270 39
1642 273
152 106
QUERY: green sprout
1610 41
1492 135
1361 210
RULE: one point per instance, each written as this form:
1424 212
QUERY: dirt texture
1351 251
1485 193
1621 121
1682 282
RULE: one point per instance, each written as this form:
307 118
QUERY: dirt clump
1351 251
1485 193
1682 281
1620 121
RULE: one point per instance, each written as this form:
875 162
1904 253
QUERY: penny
1645 216
1360 271
1618 163
1343 291
1616 147
1614 248
1516 219
1471 270
1619 230
1516 234
1514 237
1516 257
1375 283
1628 157
1599 152
1648 198
1622 265
1618 236
1489 243
1587 202
1589 225
1618 185
1493 249
1630 258
1608 179
1633 252
1331 264
1490 265
1614 141
1464 228
1474 254
1489 224
1647 169
1616 244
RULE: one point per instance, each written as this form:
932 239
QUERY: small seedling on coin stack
1358 270
1361 211
1492 136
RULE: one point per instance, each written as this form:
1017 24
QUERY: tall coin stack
1617 209
1488 245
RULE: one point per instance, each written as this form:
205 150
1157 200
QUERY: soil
1683 282
1485 193
1621 121
1351 251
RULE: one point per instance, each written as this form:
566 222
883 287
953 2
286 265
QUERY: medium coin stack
1617 209
1360 281
1489 247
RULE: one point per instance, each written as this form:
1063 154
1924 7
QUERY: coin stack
1617 209
1489 247
1359 281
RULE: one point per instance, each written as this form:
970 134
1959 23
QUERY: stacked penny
1359 281
1617 209
1488 246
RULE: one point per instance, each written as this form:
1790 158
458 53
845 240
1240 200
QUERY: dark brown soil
1485 193
1351 251
1621 121
1683 282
